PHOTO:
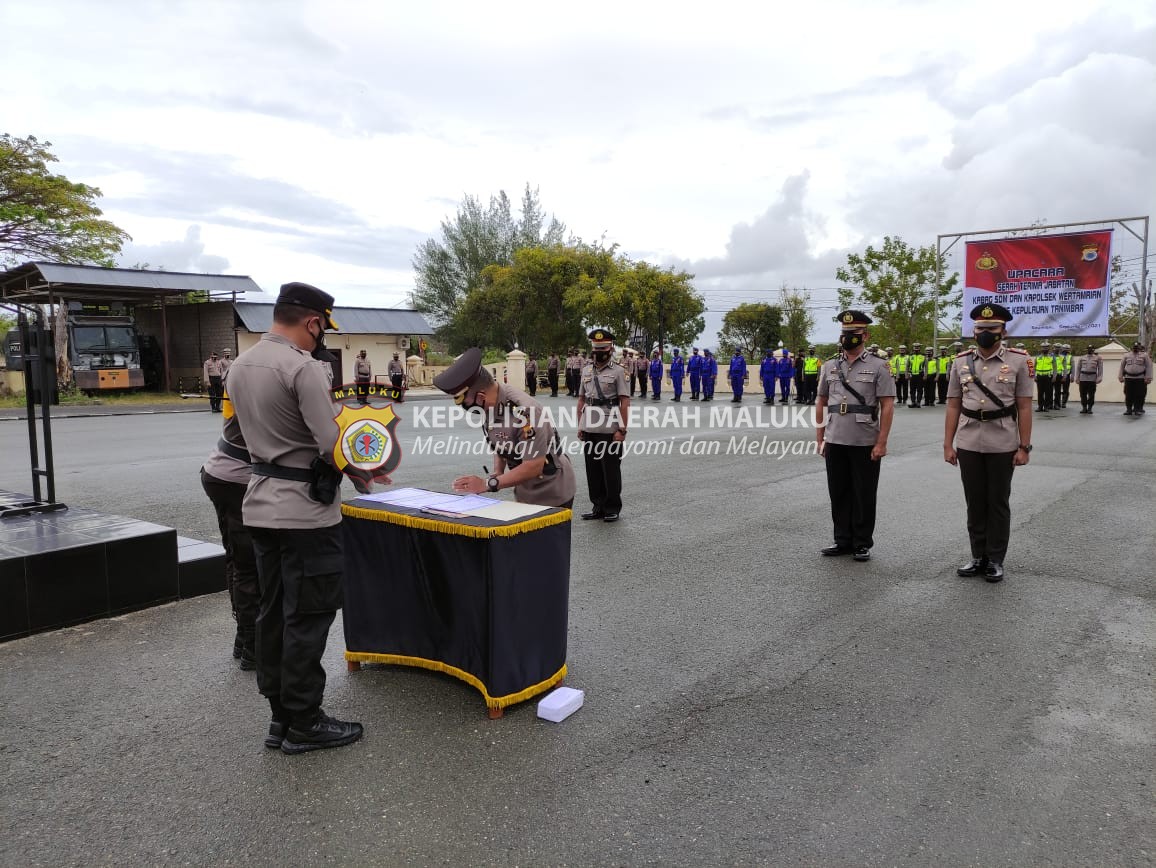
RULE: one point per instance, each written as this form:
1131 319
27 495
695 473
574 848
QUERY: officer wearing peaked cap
603 409
857 392
528 456
987 434
279 390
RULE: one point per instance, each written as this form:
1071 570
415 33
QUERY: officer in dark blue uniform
655 375
694 368
769 374
737 375
677 373
709 375
786 374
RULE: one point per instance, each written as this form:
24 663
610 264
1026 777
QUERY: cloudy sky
751 143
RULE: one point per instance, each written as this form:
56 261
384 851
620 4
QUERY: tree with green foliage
643 305
750 328
798 321
46 216
448 268
896 286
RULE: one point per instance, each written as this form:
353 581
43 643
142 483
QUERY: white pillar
516 369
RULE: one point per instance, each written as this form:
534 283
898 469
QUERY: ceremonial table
481 599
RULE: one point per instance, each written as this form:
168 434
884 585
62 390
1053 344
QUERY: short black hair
293 314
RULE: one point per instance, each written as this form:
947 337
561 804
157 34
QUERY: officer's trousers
603 471
916 390
929 391
216 392
532 383
552 377
785 389
987 480
1058 392
852 482
656 385
1044 391
362 389
901 389
694 384
1087 394
641 377
941 387
708 387
811 385
676 384
1135 391
300 573
240 561
737 388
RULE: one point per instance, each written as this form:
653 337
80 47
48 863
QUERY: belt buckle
843 409
982 417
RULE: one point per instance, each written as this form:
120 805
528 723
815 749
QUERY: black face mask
986 340
850 342
601 357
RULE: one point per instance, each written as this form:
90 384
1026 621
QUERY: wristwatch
492 483
1027 448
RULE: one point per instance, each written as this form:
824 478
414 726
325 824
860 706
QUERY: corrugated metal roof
257 318
127 282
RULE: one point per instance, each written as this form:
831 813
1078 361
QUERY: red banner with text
1054 285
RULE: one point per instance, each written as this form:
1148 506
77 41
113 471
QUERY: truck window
120 338
86 339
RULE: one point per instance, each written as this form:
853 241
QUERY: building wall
195 330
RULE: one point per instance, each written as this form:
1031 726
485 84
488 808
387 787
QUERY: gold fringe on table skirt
472 680
453 527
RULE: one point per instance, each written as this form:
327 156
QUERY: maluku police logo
367 446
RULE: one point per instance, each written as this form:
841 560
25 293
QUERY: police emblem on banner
367 446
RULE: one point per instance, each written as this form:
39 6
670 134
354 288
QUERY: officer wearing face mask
1089 373
987 434
528 456
280 393
603 411
857 392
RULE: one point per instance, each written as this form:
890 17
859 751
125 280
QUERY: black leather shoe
591 516
610 516
993 572
277 731
1127 412
835 551
972 568
862 554
325 732
248 661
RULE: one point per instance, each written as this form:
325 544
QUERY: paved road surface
747 700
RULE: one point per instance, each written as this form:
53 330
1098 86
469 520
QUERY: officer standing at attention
213 374
915 364
573 366
396 372
1089 374
709 375
1063 380
1045 371
280 392
786 374
225 477
640 369
989 418
677 373
899 364
362 375
603 409
226 360
769 375
552 374
930 372
811 365
1136 375
655 375
737 374
694 368
532 374
857 395
527 454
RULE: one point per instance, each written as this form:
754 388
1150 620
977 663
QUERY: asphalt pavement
747 701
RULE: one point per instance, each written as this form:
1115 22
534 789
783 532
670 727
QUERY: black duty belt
990 415
603 402
278 471
227 448
871 409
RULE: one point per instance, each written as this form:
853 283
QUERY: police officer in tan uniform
1088 371
603 408
362 374
1136 375
225 477
213 372
988 433
280 392
226 361
528 455
858 393
396 372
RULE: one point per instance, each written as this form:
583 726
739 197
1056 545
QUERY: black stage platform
75 565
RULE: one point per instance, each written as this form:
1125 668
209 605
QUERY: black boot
324 732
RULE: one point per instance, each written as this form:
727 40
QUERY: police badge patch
367 446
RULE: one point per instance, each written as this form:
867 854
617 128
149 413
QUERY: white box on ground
559 704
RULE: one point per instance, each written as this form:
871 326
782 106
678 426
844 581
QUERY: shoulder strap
846 385
979 383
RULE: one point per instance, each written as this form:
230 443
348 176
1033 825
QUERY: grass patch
76 398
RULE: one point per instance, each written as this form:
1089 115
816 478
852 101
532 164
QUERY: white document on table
505 510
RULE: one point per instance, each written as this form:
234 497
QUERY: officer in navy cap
279 390
987 434
694 369
527 453
857 392
769 375
603 410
